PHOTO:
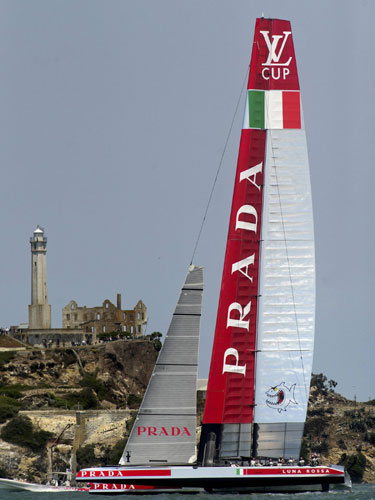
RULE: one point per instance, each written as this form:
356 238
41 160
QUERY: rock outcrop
86 398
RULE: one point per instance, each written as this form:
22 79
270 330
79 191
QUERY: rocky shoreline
83 402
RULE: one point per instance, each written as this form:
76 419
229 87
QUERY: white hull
14 485
234 478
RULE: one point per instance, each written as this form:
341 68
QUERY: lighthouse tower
39 310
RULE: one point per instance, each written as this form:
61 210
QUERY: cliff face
341 431
86 399
123 367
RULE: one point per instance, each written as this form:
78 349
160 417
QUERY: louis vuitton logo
274 56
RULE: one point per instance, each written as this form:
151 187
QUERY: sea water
359 492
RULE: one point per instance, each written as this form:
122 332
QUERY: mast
253 287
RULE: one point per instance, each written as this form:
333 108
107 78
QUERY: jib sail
165 428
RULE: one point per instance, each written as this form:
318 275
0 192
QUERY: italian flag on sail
273 109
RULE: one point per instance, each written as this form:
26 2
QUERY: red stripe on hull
110 473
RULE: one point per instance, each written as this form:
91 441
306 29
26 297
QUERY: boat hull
227 478
15 485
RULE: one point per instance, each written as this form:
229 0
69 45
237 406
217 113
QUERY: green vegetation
134 401
5 357
355 465
20 431
130 423
322 384
370 438
115 335
9 407
84 400
86 456
112 455
156 335
90 381
3 473
12 391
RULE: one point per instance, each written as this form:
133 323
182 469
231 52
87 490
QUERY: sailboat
165 427
261 363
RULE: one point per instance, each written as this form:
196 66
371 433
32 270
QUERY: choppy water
359 492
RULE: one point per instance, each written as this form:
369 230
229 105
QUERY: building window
139 328
68 317
106 305
104 329
143 315
92 329
139 315
124 328
72 307
132 329
98 316
124 315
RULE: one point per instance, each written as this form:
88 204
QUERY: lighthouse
39 309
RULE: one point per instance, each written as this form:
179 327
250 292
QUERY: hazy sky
114 115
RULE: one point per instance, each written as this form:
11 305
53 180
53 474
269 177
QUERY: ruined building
106 318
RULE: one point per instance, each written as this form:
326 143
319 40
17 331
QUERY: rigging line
287 258
219 167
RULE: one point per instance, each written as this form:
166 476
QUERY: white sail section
165 428
286 314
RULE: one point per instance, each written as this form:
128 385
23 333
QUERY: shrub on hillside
112 455
5 357
314 426
84 399
355 465
20 431
9 407
89 380
134 401
370 438
357 425
11 391
86 456
4 473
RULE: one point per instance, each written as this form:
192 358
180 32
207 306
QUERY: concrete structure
39 310
53 337
106 318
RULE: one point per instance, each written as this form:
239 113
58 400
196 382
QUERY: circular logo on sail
280 397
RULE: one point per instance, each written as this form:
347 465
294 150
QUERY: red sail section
273 62
230 391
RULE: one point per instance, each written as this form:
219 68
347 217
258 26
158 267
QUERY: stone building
106 318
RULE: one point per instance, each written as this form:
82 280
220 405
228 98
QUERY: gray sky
113 119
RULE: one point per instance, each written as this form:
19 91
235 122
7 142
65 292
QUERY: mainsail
262 356
165 428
